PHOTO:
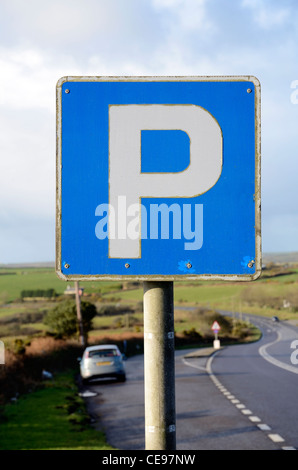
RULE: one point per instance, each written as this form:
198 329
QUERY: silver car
102 361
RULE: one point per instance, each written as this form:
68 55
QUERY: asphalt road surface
241 398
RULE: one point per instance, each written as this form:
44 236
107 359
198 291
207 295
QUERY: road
241 398
264 379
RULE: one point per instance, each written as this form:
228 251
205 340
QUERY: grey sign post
159 362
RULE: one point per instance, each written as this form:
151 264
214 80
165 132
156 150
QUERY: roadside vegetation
38 326
119 305
53 417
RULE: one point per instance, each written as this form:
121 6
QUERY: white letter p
125 177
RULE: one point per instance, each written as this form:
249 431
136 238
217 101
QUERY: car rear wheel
121 378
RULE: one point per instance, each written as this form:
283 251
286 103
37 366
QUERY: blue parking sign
158 178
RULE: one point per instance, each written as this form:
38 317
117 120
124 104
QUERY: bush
126 321
207 317
47 293
63 322
192 333
19 346
224 322
15 329
109 310
23 369
240 329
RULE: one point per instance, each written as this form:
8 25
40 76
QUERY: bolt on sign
158 178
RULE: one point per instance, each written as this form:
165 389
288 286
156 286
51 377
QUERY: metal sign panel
158 178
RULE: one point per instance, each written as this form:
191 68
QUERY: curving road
241 398
263 377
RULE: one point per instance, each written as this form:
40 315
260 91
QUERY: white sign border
156 277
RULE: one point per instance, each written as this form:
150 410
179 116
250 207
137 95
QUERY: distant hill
49 264
283 258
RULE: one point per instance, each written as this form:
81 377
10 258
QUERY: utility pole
159 362
79 314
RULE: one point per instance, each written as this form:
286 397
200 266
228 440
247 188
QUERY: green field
266 296
51 418
14 281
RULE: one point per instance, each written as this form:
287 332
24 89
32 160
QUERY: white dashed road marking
240 406
264 427
254 419
276 438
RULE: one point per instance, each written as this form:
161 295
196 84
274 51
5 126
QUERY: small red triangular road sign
215 326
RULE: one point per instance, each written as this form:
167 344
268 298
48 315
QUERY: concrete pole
79 314
159 362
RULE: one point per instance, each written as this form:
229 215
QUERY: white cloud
266 14
57 20
24 239
280 232
28 77
27 176
81 28
42 41
188 15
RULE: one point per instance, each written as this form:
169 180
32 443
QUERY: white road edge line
193 365
276 438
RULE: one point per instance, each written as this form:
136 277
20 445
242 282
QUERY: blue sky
41 41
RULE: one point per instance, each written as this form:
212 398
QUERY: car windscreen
103 353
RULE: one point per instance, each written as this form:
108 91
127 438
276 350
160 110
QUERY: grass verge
51 418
